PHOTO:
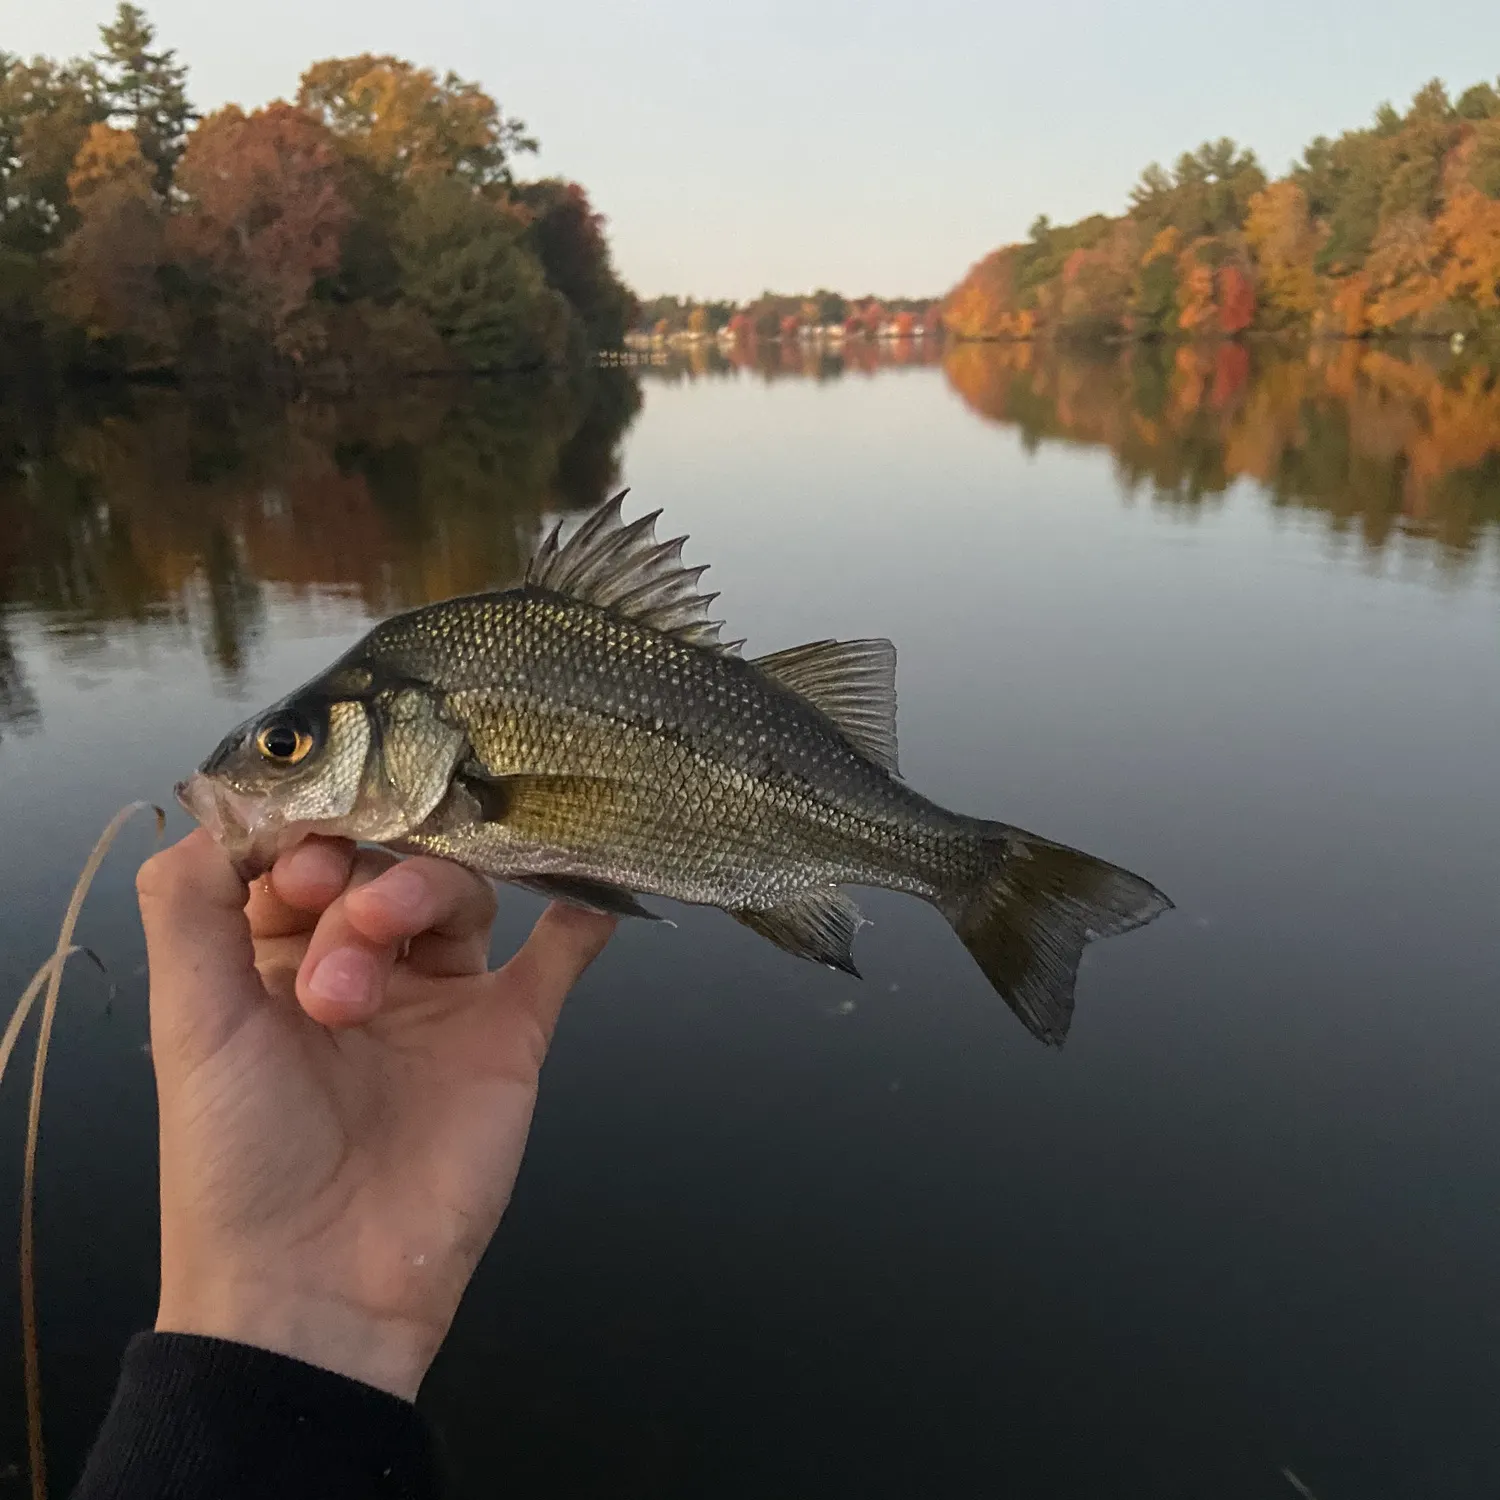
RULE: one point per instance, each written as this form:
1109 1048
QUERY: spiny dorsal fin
819 924
853 682
624 568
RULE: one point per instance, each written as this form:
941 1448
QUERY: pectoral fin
818 924
516 829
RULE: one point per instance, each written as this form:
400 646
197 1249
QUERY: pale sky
866 145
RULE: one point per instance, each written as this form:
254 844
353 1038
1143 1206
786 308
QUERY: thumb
564 942
202 961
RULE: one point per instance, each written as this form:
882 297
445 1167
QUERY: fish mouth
248 830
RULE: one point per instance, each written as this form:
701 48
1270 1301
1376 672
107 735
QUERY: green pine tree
146 90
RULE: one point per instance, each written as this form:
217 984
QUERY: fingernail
345 977
400 891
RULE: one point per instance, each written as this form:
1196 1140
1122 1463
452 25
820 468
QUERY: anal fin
818 924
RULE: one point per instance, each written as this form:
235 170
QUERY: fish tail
1028 917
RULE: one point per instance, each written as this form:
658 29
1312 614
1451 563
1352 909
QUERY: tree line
373 223
1390 229
778 315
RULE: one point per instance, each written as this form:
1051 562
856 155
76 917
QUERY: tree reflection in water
140 504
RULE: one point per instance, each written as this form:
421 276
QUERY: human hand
344 1092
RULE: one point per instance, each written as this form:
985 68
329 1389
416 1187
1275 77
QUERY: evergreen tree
146 90
464 265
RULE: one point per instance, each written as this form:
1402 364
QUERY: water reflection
184 510
782 359
1251 1208
151 505
17 701
1385 444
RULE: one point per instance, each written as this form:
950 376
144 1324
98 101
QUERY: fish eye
285 740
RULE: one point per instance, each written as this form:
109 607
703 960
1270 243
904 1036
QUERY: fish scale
706 759
589 735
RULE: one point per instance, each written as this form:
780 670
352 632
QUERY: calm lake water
1230 619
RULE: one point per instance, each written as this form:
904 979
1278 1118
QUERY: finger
343 976
437 912
312 875
422 896
202 961
302 883
564 942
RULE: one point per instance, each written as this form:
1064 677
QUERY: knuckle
533 1038
160 878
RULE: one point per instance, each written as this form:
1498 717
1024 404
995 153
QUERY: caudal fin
1028 922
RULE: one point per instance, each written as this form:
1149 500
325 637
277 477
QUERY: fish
588 734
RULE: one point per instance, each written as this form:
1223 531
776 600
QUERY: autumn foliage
264 211
106 271
374 224
1394 229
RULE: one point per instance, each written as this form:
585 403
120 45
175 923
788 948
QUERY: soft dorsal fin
853 682
624 568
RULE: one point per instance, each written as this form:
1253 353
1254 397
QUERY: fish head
295 769
341 756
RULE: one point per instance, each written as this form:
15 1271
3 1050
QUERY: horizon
748 167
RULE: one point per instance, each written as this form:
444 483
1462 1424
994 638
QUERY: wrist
390 1354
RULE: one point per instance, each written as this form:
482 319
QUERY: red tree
266 210
1236 299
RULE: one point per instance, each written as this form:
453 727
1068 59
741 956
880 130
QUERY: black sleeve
195 1418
